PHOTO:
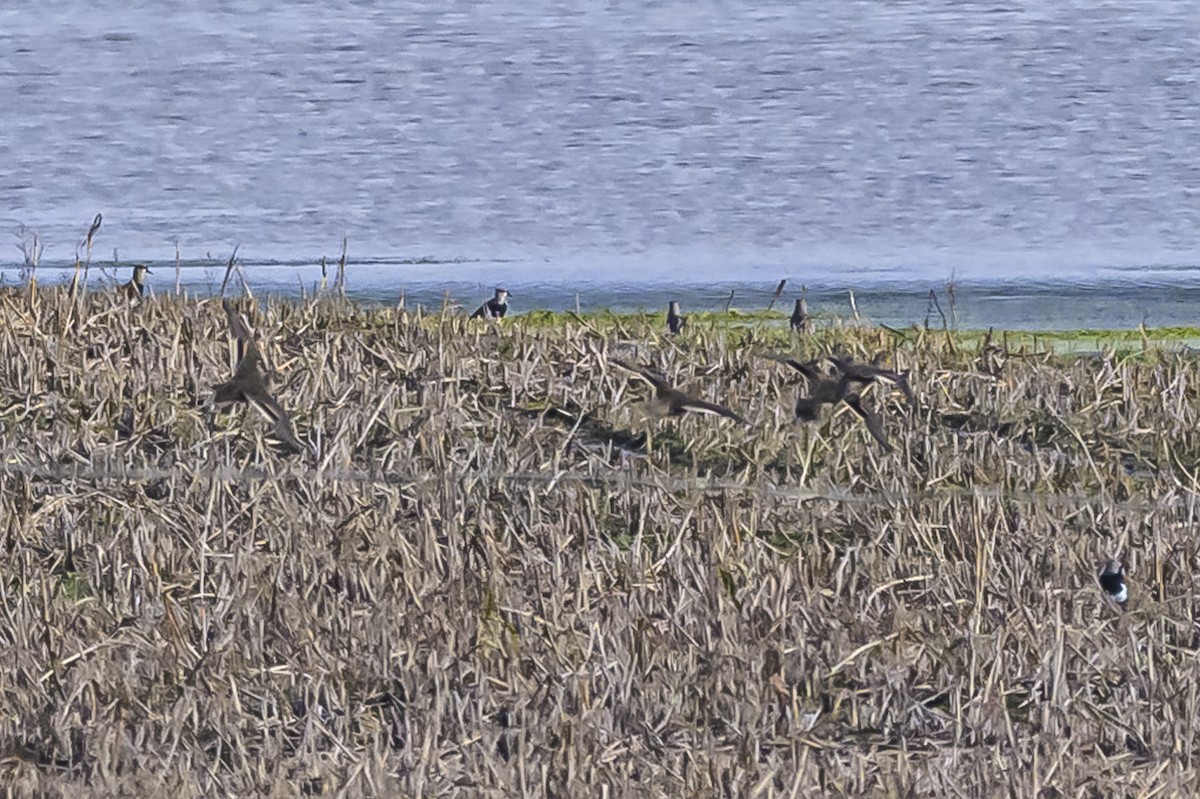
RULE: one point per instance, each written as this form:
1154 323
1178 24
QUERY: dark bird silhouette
135 289
822 389
865 373
1112 580
675 322
799 320
495 308
675 401
872 420
826 390
249 385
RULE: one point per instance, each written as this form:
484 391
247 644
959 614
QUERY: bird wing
249 358
898 379
271 410
807 368
874 423
690 403
906 388
660 385
869 373
851 371
237 322
227 392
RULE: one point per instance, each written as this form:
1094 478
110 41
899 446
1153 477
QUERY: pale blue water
1027 148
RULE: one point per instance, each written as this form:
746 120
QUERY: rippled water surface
540 144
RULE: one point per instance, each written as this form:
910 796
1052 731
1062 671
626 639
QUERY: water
1029 150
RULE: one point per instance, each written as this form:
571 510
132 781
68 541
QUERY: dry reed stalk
513 600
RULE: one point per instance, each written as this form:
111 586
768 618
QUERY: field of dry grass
484 579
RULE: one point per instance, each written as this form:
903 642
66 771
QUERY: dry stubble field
483 582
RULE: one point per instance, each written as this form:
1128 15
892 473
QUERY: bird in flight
864 373
674 401
249 385
826 390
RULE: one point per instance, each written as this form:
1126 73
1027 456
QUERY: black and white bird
1112 580
675 322
135 289
495 308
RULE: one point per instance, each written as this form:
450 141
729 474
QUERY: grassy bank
496 574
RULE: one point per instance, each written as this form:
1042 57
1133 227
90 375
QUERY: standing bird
870 373
675 402
495 308
135 289
824 390
799 320
675 322
1112 580
249 385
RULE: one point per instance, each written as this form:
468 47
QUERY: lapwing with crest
495 308
675 321
135 289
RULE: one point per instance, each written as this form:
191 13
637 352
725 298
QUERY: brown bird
799 320
676 401
822 389
864 373
135 289
825 390
249 385
675 322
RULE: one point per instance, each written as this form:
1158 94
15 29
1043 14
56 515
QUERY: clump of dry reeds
488 581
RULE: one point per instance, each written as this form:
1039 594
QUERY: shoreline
1073 340
1111 302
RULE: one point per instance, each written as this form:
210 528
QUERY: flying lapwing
249 384
674 402
826 390
864 373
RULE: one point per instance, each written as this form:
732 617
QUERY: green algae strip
1058 341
